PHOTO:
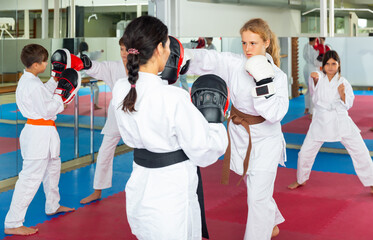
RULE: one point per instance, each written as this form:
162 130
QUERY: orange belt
239 118
41 122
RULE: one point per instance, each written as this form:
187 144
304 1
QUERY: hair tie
133 85
133 51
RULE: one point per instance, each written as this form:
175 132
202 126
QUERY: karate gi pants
96 92
307 96
355 146
104 166
33 173
263 213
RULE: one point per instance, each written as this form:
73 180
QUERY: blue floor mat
10 130
296 110
324 162
363 92
297 139
86 120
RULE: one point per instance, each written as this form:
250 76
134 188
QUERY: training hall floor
333 205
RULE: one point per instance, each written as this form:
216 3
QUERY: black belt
149 159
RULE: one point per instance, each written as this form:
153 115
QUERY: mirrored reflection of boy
109 72
39 142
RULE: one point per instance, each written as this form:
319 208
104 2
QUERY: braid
133 68
140 38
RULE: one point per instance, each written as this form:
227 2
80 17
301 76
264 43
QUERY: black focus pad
87 63
185 68
68 85
209 94
171 70
60 60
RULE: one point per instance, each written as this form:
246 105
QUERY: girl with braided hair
169 135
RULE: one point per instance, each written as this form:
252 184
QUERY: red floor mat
85 105
357 218
330 206
225 230
8 144
308 214
104 220
214 192
361 113
234 210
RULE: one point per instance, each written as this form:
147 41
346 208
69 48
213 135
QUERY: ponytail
274 49
141 38
133 68
260 27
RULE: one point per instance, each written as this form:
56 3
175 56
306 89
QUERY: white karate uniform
331 123
268 144
83 73
310 56
40 148
109 72
162 203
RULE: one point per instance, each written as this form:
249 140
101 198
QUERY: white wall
10 61
109 45
225 20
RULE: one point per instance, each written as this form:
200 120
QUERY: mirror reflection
94 28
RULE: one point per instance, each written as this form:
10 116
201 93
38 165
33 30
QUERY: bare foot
371 189
295 185
97 107
94 196
22 230
62 209
275 232
306 111
371 129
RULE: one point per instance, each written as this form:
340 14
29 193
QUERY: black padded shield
209 94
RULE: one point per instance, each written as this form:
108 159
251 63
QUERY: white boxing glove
262 72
